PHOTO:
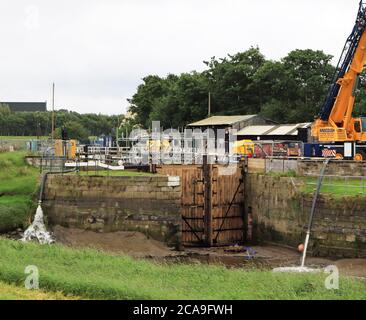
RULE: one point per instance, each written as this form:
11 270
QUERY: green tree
360 102
185 102
4 110
293 89
230 82
74 130
39 123
309 75
142 103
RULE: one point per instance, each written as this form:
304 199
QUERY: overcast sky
97 51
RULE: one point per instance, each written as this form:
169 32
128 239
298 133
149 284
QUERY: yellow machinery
157 146
65 148
244 148
335 127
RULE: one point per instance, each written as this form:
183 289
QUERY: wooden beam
207 177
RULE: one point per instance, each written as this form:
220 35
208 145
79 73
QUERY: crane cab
358 129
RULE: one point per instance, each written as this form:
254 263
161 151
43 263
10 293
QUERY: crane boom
348 53
335 123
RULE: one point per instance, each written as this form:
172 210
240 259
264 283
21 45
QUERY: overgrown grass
18 183
337 187
11 292
92 274
27 138
288 174
110 173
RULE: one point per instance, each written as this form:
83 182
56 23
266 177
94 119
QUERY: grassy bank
338 187
18 183
11 292
92 274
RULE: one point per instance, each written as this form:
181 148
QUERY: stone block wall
307 167
149 204
281 211
336 167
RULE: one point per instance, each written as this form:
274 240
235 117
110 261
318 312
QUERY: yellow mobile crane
338 134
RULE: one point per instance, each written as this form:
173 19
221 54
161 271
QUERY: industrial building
255 127
229 122
26 106
288 132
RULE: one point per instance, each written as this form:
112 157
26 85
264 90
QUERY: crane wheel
339 156
359 156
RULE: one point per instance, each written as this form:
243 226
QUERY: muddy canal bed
138 245
135 244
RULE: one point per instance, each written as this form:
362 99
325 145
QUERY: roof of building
273 130
26 106
221 121
256 130
285 130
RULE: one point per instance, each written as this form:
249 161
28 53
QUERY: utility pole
209 104
53 112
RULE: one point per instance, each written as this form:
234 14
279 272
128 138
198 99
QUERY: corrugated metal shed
221 121
305 125
285 130
280 130
255 130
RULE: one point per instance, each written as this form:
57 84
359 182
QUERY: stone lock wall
152 205
149 204
281 211
337 168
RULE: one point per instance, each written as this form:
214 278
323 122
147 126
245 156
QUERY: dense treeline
78 126
288 91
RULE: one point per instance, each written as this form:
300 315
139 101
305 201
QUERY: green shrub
18 183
